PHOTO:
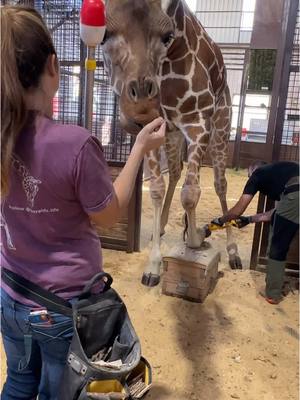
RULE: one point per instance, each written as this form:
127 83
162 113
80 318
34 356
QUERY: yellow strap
90 65
215 227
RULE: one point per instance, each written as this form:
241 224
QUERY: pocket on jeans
51 326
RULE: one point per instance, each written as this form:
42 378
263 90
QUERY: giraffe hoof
150 279
235 262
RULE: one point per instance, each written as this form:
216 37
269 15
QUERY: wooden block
189 273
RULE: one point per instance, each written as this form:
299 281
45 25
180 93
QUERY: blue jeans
36 350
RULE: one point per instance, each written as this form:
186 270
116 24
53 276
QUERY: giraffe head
138 35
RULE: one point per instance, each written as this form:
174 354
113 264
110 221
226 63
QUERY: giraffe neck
192 76
185 40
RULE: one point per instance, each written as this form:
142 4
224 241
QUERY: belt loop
24 362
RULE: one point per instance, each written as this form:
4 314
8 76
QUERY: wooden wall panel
122 235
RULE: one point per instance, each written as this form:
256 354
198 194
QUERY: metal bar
88 91
79 74
277 81
81 83
239 36
70 63
236 46
238 138
138 209
131 221
223 11
113 135
289 41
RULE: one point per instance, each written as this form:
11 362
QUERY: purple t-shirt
59 175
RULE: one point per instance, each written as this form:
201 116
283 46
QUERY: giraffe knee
157 189
190 195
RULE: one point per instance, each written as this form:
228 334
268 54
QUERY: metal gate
62 18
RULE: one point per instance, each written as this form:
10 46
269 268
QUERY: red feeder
92 22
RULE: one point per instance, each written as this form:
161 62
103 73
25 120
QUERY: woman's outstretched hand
152 136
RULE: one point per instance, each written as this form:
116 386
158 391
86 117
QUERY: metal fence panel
291 127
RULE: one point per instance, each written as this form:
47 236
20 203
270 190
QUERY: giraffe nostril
142 88
151 88
132 91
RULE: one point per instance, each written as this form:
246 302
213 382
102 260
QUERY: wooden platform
190 274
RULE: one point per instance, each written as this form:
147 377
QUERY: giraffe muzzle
134 116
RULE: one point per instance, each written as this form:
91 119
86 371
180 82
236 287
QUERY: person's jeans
36 348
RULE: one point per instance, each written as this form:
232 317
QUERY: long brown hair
25 46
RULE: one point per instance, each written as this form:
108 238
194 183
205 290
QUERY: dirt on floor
234 345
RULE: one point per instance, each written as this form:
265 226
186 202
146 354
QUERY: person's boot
274 281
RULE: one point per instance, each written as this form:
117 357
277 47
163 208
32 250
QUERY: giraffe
29 183
31 188
161 61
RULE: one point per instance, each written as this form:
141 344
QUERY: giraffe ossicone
161 61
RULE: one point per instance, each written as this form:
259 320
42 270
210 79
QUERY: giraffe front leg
190 193
151 275
232 249
221 188
174 144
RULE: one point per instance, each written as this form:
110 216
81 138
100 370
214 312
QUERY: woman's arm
148 139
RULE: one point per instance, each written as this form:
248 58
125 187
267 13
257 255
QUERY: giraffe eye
167 38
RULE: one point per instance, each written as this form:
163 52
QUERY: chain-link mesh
62 19
291 127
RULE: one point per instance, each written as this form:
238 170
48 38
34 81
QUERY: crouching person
280 182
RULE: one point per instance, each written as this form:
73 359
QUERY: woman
55 181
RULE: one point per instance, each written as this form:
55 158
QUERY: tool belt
104 360
292 185
291 189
